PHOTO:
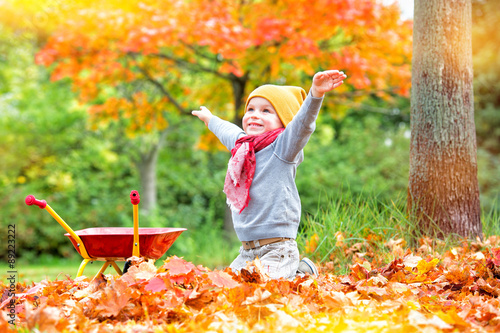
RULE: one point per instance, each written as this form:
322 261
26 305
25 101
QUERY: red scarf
241 167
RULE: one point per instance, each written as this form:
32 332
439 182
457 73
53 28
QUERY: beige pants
279 260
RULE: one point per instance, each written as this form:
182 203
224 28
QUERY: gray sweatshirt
274 208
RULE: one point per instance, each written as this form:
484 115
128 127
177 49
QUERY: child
260 181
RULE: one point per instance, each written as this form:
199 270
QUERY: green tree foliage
367 159
47 151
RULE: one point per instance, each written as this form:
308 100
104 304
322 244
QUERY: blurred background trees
143 64
112 83
486 63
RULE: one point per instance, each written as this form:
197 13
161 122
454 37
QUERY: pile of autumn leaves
418 291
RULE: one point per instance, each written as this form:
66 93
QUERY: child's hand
204 114
326 81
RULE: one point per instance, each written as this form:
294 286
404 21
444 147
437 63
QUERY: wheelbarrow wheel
127 265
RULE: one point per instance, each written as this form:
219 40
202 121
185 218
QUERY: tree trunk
238 84
443 192
147 170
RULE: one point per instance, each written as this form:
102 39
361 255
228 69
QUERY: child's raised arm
204 114
326 81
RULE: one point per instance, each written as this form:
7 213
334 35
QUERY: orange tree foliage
136 61
422 291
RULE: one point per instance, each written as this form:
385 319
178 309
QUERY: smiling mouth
254 125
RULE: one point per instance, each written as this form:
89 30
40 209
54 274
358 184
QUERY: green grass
366 225
52 268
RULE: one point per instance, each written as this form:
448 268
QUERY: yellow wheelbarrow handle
31 200
135 199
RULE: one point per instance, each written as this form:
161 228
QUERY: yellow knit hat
286 100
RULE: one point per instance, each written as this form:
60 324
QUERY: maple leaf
251 276
171 299
45 318
411 261
252 273
398 288
423 266
377 280
487 312
7 300
144 271
258 296
336 299
113 299
156 284
451 317
396 246
199 299
222 279
371 291
33 290
486 287
458 275
312 243
359 272
392 243
392 268
176 266
496 256
89 288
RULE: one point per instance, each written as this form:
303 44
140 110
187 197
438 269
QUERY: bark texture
443 190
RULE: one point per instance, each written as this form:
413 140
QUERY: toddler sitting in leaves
260 180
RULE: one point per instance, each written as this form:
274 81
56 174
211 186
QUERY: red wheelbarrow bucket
115 244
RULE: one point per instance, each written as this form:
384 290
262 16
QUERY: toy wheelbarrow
115 244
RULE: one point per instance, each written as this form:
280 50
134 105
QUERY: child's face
260 117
